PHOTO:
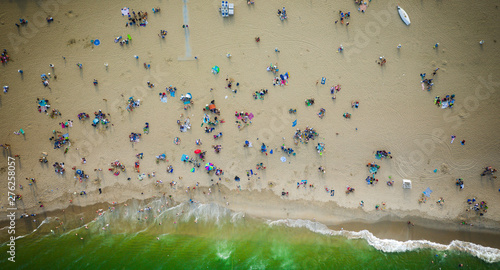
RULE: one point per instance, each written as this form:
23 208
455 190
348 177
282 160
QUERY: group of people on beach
140 18
343 17
260 94
100 117
282 14
447 102
489 171
304 136
479 208
4 57
428 82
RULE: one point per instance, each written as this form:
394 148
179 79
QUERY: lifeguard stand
407 183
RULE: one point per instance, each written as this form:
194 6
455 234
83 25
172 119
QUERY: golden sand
394 113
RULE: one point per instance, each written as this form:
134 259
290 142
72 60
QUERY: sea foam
488 254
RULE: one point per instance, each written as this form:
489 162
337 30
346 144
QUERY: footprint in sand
445 168
70 14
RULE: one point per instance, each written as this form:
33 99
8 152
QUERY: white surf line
187 56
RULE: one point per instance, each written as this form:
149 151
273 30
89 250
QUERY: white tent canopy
406 183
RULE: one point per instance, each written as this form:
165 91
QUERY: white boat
404 16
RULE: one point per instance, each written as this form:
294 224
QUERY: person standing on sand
435 71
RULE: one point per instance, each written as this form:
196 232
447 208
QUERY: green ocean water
208 236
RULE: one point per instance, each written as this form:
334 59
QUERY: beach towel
294 123
428 192
125 11
445 104
323 80
185 158
164 99
172 93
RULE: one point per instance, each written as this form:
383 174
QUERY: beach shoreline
383 224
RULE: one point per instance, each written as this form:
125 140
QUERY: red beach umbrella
197 151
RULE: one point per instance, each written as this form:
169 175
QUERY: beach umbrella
197 151
188 95
215 69
209 166
97 42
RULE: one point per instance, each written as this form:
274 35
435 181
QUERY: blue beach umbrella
97 42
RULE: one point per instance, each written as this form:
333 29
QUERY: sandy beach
395 112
